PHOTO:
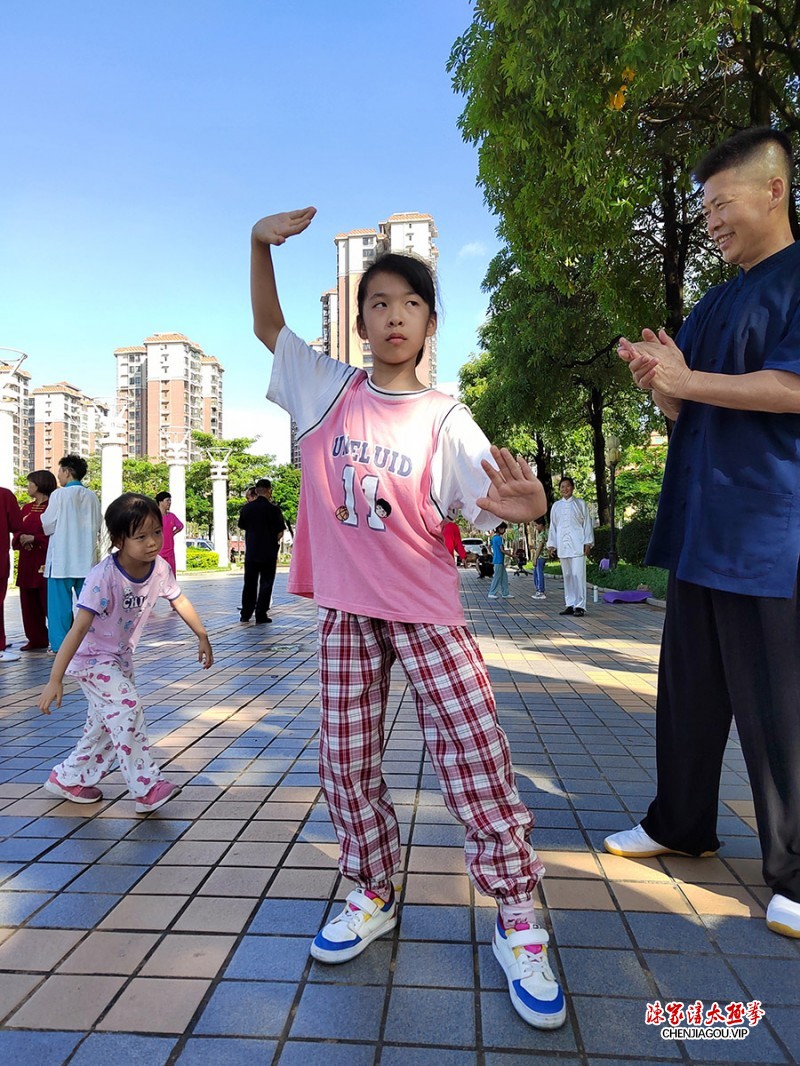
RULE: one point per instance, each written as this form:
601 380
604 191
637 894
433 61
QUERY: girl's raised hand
515 493
274 229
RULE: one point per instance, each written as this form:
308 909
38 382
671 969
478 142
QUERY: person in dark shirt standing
731 647
263 526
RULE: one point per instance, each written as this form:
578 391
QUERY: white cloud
472 250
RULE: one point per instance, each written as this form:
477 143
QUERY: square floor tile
144 912
600 929
670 932
110 879
308 1053
123 1049
440 1016
109 953
430 922
14 987
226 1051
293 917
36 1049
74 910
215 914
67 1001
601 1029
339 1012
437 965
188 955
15 907
37 949
247 1008
155 1005
270 958
599 971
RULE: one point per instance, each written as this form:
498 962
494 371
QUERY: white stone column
177 463
219 496
7 471
111 447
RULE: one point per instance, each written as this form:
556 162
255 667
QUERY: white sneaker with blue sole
365 917
535 993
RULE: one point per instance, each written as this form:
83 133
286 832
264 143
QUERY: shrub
602 544
197 559
633 539
624 578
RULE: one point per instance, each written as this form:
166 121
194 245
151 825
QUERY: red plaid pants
468 749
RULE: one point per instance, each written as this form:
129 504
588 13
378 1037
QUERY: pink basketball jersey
368 537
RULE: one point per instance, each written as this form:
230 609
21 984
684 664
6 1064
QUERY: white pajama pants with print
115 730
574 572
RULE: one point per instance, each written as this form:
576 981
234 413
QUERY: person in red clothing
171 525
452 541
10 523
31 542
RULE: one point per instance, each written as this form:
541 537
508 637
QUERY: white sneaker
783 916
364 919
538 596
509 596
535 993
492 596
9 656
636 844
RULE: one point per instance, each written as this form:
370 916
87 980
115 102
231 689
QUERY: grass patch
623 578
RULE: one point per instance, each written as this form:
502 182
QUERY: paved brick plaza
183 937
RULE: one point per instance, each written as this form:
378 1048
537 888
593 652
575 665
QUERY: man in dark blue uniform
728 527
263 526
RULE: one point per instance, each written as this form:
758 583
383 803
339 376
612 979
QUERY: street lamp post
613 456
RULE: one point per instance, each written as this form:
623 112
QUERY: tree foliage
588 117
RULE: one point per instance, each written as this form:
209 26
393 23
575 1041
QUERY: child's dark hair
126 514
161 496
566 477
44 481
741 148
415 272
76 466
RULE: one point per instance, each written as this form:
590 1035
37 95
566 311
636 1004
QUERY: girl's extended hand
204 653
515 493
274 229
53 692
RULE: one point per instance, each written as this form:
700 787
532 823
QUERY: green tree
550 371
588 117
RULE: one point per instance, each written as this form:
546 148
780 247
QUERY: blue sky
141 141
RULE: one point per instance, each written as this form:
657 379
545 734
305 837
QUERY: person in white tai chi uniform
572 536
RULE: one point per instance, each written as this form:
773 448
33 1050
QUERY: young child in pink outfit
384 460
117 598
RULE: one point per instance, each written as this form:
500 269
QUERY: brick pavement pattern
182 937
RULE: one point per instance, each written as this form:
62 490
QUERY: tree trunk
544 469
595 410
673 256
760 112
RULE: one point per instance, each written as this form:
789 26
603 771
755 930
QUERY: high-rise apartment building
167 387
408 233
15 390
211 372
65 422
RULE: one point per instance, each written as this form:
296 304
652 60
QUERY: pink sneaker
161 793
75 793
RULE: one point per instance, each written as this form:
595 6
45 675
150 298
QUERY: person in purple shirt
731 646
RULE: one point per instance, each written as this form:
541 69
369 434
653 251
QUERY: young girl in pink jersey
117 598
384 459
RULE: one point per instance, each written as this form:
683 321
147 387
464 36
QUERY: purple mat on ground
635 596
